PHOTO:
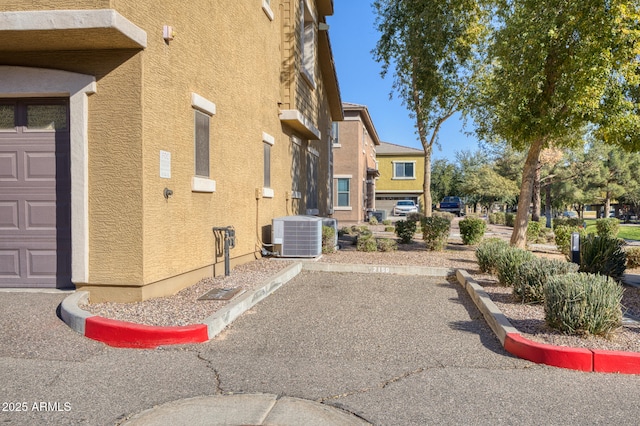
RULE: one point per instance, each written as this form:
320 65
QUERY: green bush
510 219
488 252
387 244
445 215
533 231
507 261
415 217
373 220
435 232
567 221
328 239
531 277
563 237
608 227
405 230
633 257
389 229
472 230
386 222
581 303
603 255
498 218
366 243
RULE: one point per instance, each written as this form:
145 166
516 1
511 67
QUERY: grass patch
628 232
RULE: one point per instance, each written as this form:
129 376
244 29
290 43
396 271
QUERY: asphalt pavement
384 349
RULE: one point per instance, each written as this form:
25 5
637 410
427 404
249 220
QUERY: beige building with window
130 129
354 165
401 176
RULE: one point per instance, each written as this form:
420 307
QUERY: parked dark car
452 205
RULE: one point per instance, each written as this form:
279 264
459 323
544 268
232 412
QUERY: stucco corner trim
203 104
296 120
200 184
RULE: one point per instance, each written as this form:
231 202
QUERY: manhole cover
221 294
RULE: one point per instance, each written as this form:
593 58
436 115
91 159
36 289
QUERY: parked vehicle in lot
404 207
452 205
570 214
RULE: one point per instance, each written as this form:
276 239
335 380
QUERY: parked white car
404 207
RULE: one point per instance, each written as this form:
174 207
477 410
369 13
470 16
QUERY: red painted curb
123 334
616 362
557 356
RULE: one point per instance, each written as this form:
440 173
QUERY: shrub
533 231
567 221
581 303
389 229
531 277
328 239
633 257
367 243
603 255
472 230
435 232
445 215
607 227
387 244
487 254
386 222
415 217
510 219
373 220
563 237
405 230
498 218
507 261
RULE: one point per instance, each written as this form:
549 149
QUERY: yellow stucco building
130 129
401 176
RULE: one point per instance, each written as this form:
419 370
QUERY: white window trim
198 183
268 139
403 177
267 10
343 208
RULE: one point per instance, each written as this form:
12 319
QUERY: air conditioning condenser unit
297 236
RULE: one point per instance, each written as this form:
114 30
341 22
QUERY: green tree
613 176
488 187
556 66
445 179
432 47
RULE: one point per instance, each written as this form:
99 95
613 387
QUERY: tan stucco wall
142 245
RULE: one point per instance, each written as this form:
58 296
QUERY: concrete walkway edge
558 356
125 334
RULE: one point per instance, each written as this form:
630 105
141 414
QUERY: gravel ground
184 308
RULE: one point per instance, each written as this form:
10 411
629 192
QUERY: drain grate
221 293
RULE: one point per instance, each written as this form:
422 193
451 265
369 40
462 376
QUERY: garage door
35 192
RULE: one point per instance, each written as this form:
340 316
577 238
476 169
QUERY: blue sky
353 37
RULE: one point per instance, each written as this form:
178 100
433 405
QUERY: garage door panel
41 264
9 215
9 264
40 216
9 166
40 166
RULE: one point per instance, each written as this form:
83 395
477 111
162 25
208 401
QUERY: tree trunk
547 205
535 214
519 235
607 205
426 186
